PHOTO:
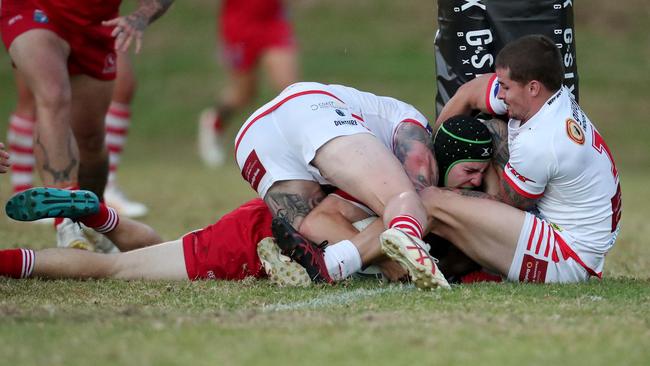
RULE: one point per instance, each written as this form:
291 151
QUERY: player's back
380 114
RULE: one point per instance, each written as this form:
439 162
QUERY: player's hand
128 29
4 159
392 270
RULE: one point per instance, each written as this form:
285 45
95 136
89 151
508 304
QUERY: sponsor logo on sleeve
533 269
516 174
575 132
253 170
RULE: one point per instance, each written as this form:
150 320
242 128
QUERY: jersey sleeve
494 105
527 172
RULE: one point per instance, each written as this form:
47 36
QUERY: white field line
337 299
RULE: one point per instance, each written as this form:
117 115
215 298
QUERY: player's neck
536 104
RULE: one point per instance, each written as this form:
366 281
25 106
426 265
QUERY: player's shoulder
568 122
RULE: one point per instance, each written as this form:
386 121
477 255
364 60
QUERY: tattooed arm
130 28
470 193
414 149
507 195
498 185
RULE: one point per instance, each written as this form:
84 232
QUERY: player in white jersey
375 148
559 176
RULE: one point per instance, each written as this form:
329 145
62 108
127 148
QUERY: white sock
342 260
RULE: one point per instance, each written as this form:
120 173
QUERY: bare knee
53 96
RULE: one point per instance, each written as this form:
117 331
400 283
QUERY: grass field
383 46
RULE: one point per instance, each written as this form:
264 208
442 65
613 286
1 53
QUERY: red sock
218 123
407 224
16 263
103 221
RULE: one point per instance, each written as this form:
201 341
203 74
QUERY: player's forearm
150 10
469 97
332 220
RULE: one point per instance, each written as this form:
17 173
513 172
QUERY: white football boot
281 270
409 252
70 235
115 198
101 243
210 145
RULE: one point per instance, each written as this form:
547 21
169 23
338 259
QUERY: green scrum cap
460 139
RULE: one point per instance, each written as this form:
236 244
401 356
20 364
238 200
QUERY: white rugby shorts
547 254
279 141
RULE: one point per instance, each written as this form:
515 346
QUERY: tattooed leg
57 168
293 200
41 58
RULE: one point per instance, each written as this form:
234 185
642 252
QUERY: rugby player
559 186
253 34
64 50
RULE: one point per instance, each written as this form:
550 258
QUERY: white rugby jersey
381 115
559 157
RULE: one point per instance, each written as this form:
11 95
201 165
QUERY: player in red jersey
224 250
253 33
20 137
64 50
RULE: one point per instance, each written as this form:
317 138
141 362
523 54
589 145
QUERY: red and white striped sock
20 138
118 120
104 221
407 224
16 263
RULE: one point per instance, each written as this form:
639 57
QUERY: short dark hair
533 57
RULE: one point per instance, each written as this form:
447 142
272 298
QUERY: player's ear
534 87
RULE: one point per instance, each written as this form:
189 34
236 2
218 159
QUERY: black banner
472 32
